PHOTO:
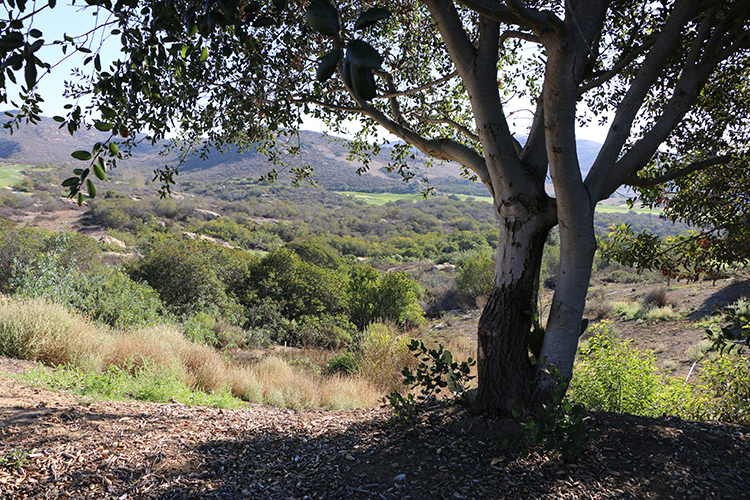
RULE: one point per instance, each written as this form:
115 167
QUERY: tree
441 76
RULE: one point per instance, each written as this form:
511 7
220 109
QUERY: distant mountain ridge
45 142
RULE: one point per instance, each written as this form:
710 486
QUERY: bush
612 376
656 297
382 357
476 273
392 298
345 363
726 381
190 277
326 331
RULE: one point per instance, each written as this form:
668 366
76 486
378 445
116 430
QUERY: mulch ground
55 446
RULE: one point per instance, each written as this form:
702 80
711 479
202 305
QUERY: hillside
47 143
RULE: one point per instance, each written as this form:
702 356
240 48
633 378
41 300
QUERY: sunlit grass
159 364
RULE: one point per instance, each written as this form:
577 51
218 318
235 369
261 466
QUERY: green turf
383 198
11 174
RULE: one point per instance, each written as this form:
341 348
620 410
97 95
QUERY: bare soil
53 445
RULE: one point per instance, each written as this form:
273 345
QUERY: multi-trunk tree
669 78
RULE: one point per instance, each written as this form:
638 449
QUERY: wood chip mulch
128 450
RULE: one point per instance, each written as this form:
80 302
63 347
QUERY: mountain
45 142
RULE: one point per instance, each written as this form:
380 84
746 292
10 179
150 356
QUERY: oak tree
445 77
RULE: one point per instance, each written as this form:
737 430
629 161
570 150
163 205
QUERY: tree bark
507 378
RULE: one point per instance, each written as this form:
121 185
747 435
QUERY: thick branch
529 37
535 151
447 121
636 181
599 180
536 18
493 10
442 149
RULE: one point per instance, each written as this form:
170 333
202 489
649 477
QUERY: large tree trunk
507 378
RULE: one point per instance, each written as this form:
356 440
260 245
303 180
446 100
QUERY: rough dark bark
507 378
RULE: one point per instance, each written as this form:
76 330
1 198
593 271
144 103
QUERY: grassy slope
383 198
11 174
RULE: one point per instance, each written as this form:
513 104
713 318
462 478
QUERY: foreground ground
56 446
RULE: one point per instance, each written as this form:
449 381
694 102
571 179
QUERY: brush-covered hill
46 142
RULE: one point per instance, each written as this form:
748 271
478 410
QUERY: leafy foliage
559 426
437 370
734 333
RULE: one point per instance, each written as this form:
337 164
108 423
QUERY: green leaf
58 119
328 65
35 33
79 199
70 181
323 17
280 4
103 126
363 54
81 155
99 170
91 188
30 73
107 112
113 149
370 17
363 82
264 21
204 54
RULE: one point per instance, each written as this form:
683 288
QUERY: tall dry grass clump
383 355
41 331
271 381
37 330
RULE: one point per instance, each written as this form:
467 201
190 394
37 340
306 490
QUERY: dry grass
383 354
37 330
40 331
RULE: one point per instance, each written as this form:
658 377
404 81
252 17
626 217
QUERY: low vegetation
250 307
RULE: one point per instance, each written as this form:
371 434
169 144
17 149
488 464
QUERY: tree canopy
669 79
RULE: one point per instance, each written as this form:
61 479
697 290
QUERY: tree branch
493 10
600 180
529 37
536 18
447 121
618 66
426 86
637 181
442 149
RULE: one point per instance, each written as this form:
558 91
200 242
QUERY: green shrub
190 276
345 363
326 331
382 357
196 331
476 273
726 381
391 298
613 376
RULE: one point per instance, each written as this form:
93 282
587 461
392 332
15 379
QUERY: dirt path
57 446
